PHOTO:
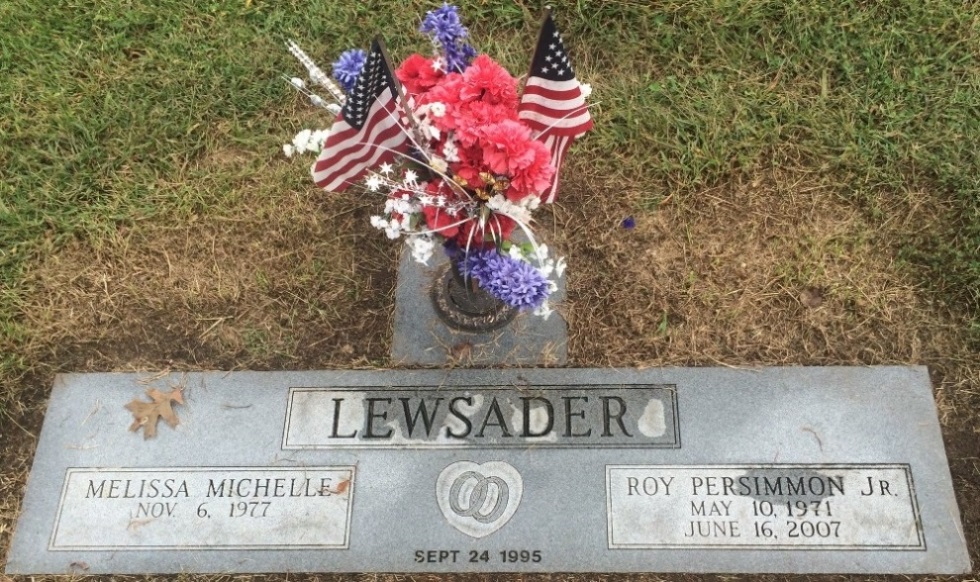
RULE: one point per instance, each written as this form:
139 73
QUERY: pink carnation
473 118
487 81
447 93
535 177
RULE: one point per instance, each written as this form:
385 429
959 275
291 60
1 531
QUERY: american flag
367 131
552 104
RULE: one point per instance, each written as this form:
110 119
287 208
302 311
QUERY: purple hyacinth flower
347 68
447 32
513 281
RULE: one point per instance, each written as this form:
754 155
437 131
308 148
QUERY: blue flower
629 223
513 281
448 33
347 68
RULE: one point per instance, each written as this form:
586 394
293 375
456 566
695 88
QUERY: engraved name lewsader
545 415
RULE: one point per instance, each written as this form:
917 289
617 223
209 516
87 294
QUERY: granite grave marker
667 470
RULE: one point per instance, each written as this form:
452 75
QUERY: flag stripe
558 145
376 152
350 159
542 121
567 85
562 97
546 101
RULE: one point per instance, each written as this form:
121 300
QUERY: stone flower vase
462 304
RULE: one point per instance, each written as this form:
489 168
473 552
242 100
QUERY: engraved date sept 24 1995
477 557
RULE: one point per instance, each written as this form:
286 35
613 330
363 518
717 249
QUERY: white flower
411 177
499 203
421 247
531 202
439 165
334 108
541 252
437 109
297 82
288 150
386 169
378 222
429 131
374 183
586 90
302 141
560 267
449 151
544 311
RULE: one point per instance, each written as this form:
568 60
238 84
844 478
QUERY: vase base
466 309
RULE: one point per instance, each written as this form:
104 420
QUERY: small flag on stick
368 130
552 104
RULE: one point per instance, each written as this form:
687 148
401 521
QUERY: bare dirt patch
771 272
255 291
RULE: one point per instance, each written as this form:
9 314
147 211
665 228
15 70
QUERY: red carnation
418 75
440 221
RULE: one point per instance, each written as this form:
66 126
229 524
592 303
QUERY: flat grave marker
806 470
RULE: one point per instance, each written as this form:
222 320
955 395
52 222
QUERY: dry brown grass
771 272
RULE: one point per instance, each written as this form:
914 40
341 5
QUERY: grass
880 100
108 108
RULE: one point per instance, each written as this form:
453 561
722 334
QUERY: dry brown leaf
146 414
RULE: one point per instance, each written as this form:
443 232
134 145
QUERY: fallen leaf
342 486
146 414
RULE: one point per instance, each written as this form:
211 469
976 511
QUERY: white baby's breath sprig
308 140
315 99
316 74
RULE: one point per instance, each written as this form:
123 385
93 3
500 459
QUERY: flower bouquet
462 158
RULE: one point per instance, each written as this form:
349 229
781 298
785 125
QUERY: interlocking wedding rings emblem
478 497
